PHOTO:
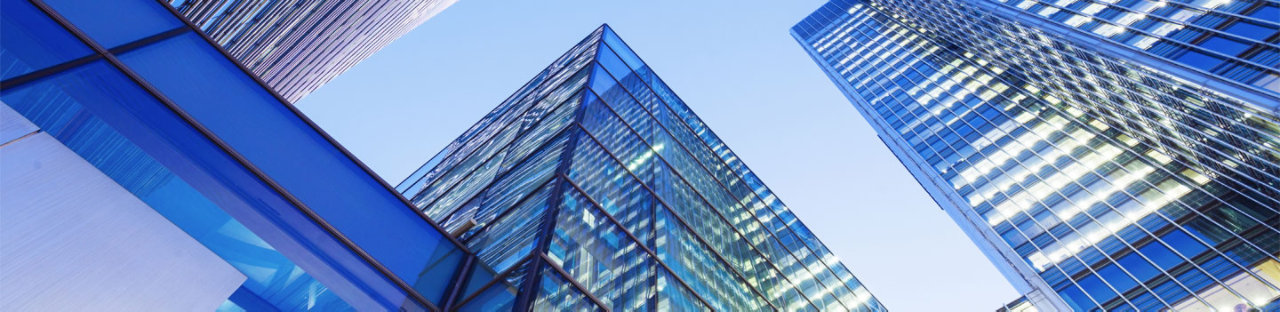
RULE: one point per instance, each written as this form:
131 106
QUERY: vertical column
533 275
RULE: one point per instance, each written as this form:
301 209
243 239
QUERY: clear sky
736 66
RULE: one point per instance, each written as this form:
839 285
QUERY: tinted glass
29 40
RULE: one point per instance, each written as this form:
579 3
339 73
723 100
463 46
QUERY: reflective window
222 87
29 40
113 23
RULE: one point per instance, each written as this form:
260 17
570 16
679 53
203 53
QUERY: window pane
1251 30
224 99
30 41
124 132
116 22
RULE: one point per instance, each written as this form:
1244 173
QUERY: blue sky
736 66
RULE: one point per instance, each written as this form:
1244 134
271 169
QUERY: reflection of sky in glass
1067 191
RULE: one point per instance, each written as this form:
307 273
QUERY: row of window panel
676 126
1162 102
459 166
500 117
1184 34
682 162
696 125
882 111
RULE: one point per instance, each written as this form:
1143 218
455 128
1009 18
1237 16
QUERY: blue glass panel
601 82
620 47
1266 13
1117 278
1137 266
116 22
557 294
1199 60
30 41
1251 30
440 274
1224 45
1076 298
245 300
498 297
1146 302
1161 255
1170 291
479 276
1220 268
82 108
599 255
242 113
1183 243
614 65
508 239
674 297
1195 280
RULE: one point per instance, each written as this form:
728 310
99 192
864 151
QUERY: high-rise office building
297 45
132 179
1105 155
594 186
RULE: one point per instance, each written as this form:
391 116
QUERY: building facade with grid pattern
1096 174
595 187
296 46
1234 40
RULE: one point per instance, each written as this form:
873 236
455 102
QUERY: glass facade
296 45
594 187
1235 40
1092 179
208 146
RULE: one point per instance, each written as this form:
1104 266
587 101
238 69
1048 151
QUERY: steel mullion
455 288
722 186
705 201
1112 141
527 293
685 224
498 117
563 274
500 276
519 135
735 173
306 120
20 80
510 210
637 240
155 93
704 198
1088 267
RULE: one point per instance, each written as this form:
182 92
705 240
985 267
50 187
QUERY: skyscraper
594 186
295 45
1111 155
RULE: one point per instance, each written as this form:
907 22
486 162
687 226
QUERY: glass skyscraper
298 45
1105 155
595 187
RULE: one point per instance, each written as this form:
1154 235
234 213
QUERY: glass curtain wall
595 187
1047 154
